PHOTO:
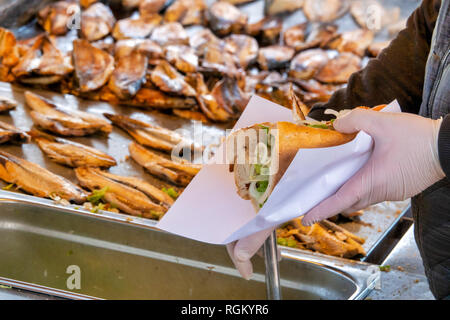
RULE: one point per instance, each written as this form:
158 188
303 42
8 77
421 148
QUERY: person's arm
397 73
444 145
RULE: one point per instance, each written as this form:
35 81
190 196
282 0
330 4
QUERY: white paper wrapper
210 210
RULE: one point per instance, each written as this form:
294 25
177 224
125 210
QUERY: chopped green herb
2 286
97 195
385 268
171 192
282 241
291 243
258 169
8 187
320 126
261 186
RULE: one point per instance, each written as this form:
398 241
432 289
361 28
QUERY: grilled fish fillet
70 153
178 173
129 75
156 195
128 199
7 104
9 133
36 180
97 22
93 66
63 121
150 135
168 79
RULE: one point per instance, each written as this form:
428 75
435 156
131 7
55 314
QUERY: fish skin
325 10
56 17
136 28
93 66
150 135
36 180
7 104
11 134
126 198
53 118
70 153
155 194
168 79
179 174
97 22
129 74
339 69
224 18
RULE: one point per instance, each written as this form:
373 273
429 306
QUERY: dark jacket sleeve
397 73
444 145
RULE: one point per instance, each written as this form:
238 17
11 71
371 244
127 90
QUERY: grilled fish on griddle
156 195
168 79
187 12
370 14
145 46
170 33
97 22
266 30
43 63
339 69
243 48
11 134
9 54
275 57
355 41
274 7
307 63
182 57
208 102
136 28
150 135
70 153
127 198
129 74
63 121
318 35
7 104
217 60
203 38
36 180
152 6
179 173
93 66
57 17
224 18
295 36
153 98
325 10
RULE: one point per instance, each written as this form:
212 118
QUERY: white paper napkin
210 210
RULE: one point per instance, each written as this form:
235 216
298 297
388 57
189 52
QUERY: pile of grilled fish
145 53
53 127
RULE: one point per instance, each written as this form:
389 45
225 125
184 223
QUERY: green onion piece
97 195
258 169
385 268
171 192
320 126
291 243
261 186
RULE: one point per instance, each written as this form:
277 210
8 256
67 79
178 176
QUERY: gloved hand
404 161
242 250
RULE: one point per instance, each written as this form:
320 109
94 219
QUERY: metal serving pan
117 260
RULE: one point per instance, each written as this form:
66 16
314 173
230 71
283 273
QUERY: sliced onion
337 114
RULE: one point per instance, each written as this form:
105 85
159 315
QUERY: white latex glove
242 250
404 162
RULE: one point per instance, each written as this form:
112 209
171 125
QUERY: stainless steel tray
117 260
